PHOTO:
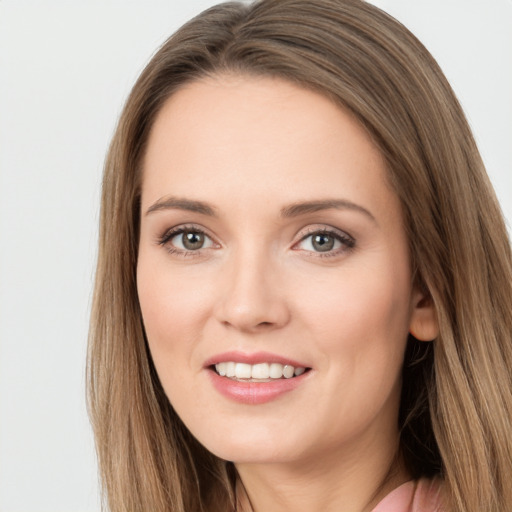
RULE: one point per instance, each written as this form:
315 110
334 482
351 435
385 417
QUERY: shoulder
424 495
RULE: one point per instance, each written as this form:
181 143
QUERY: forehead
236 137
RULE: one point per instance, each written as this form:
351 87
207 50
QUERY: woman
304 285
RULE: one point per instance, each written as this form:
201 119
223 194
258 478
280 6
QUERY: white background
65 70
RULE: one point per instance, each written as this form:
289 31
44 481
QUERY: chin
256 444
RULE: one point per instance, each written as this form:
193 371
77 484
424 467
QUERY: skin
251 147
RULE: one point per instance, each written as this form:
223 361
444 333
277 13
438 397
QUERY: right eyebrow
178 203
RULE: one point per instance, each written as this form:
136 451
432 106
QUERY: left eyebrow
303 208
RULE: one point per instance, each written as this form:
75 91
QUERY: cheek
360 319
360 328
173 311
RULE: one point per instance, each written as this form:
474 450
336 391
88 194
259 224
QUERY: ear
424 325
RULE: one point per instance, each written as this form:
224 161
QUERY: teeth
230 369
243 371
221 369
276 371
260 371
288 371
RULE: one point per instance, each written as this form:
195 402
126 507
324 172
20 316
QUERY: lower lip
254 393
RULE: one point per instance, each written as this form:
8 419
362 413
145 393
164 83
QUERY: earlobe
424 325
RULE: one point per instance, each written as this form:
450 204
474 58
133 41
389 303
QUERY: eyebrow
290 211
303 208
178 203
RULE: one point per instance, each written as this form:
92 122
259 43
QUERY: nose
252 296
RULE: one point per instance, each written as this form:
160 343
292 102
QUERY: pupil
193 240
323 243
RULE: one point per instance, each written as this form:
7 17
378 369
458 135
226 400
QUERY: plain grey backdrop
66 68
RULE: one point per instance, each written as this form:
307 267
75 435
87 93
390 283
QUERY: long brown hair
456 408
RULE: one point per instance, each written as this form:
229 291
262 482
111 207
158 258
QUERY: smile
260 372
256 378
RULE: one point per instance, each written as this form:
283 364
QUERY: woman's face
271 245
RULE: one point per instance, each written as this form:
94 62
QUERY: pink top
422 495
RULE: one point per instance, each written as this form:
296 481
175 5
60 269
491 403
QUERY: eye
184 240
324 241
190 240
319 242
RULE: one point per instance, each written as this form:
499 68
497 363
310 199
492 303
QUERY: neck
330 482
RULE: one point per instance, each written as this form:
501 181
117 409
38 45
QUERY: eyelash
347 242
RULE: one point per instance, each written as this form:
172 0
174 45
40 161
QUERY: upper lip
253 358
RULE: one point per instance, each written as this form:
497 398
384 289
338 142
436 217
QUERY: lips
255 378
